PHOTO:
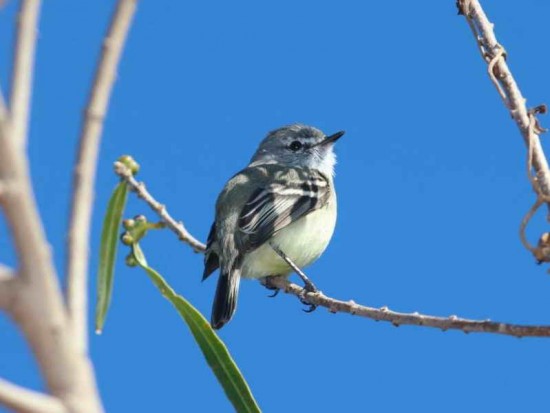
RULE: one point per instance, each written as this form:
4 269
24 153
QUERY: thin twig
23 400
493 53
397 319
23 65
85 169
542 251
523 226
178 227
339 306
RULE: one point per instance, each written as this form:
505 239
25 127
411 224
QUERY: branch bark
23 400
85 170
338 306
23 64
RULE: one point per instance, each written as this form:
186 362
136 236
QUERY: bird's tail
225 300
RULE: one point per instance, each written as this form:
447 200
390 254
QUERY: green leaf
214 350
107 253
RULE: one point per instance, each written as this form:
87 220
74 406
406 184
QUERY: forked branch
34 298
495 55
23 400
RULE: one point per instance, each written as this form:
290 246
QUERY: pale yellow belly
303 242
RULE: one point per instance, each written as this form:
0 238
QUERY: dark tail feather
225 300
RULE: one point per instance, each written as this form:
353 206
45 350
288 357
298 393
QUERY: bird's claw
274 294
265 282
304 301
312 308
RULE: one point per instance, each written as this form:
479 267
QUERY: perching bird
285 197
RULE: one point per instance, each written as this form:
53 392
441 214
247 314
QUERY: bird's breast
303 242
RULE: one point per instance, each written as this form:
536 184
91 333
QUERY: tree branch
397 319
495 56
23 400
339 306
178 227
38 308
23 64
85 169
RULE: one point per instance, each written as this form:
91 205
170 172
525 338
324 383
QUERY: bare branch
495 56
23 65
339 306
24 400
38 308
85 169
178 227
397 319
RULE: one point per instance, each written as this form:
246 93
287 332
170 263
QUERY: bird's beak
332 138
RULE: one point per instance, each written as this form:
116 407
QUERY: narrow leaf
107 252
213 349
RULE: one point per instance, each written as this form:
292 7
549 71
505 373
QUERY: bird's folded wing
211 259
278 204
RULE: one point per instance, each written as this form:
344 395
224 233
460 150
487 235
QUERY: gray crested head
299 146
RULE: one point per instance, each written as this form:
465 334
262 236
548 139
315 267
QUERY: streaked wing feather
211 259
279 204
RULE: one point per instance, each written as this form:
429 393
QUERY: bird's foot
266 282
309 287
310 307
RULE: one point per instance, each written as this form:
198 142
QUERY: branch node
353 307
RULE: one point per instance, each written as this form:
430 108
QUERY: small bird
282 203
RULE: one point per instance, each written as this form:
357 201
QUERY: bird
281 207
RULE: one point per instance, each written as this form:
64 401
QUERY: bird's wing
211 259
292 194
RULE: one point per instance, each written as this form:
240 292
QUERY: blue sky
431 183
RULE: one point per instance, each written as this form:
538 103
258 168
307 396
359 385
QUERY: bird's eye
295 146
